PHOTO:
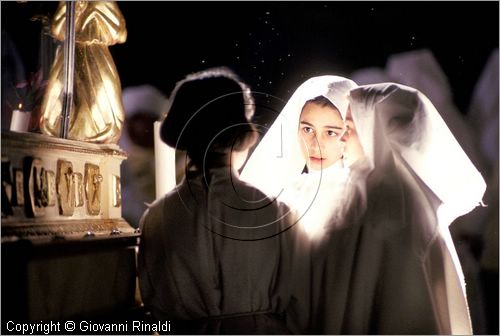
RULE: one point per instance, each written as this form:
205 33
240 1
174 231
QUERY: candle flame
20 106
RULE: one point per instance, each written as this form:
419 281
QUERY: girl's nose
315 145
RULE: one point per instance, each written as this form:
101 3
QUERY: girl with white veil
391 268
285 166
293 145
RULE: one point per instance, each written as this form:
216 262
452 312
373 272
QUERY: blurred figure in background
483 116
483 112
143 106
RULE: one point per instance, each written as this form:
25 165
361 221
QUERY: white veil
396 121
397 118
277 159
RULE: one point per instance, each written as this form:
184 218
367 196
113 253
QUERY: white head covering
420 69
396 119
397 125
145 98
277 160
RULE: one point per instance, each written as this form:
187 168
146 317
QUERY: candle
164 164
20 120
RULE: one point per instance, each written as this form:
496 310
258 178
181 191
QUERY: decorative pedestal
66 251
52 186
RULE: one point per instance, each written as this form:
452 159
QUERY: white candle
164 164
20 121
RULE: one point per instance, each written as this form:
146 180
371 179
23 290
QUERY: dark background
275 46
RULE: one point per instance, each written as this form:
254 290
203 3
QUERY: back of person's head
209 115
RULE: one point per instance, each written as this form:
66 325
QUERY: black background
275 46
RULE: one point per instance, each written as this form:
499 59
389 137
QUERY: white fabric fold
399 122
277 161
393 118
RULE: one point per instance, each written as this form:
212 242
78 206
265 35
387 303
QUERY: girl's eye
332 133
307 129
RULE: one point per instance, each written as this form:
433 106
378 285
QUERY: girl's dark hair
209 114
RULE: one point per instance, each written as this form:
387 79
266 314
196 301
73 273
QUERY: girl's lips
315 160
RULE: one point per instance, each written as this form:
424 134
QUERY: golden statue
97 112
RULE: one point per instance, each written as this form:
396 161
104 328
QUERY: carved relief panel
33 192
65 187
93 180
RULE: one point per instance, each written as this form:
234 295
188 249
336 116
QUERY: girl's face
320 132
353 148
